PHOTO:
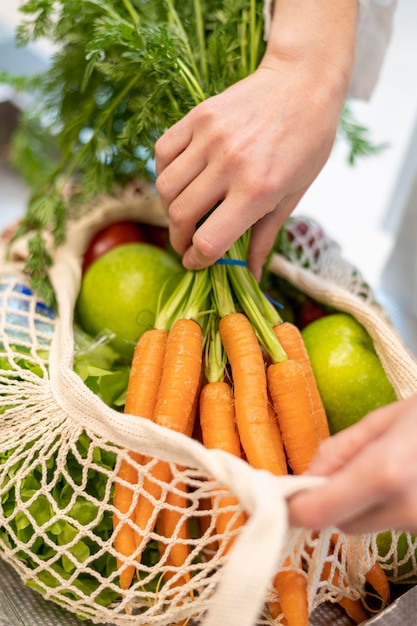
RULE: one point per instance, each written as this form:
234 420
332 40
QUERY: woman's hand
372 476
253 150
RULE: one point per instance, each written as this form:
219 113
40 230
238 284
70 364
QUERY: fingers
189 182
348 494
188 208
172 143
220 230
336 451
178 176
394 514
372 486
264 232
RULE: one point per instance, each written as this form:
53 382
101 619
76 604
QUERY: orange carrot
206 529
217 419
261 444
276 435
145 373
275 610
377 580
124 537
292 342
181 376
292 403
289 579
175 409
353 608
375 577
151 498
250 392
377 584
291 586
172 522
143 384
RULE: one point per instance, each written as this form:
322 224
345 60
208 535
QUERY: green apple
120 292
349 374
400 558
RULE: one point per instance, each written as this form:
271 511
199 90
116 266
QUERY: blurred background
363 207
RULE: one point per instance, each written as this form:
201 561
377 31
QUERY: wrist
319 39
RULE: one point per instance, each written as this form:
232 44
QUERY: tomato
308 312
157 235
111 236
124 232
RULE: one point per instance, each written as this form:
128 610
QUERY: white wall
359 205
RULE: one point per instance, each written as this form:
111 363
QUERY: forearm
319 34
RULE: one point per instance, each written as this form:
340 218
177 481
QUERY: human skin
371 471
255 148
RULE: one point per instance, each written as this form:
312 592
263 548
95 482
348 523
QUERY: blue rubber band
242 263
278 304
231 262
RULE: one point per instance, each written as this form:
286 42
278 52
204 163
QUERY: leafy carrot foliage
122 72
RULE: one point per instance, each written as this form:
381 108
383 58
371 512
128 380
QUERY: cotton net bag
61 448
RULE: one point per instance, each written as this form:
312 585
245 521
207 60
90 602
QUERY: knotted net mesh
61 450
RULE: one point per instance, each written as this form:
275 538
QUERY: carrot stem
222 293
215 357
249 284
175 303
254 303
264 331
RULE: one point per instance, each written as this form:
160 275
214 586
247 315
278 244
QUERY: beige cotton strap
398 362
254 558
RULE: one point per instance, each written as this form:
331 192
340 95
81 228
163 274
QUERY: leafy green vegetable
22 360
357 137
101 369
124 71
43 511
54 503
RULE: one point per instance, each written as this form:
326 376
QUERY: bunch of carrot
219 352
164 387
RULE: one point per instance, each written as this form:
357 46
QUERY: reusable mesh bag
61 448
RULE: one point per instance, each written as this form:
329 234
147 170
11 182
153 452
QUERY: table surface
21 606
